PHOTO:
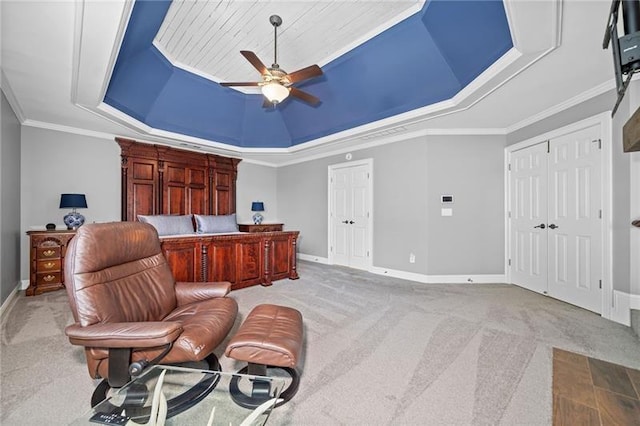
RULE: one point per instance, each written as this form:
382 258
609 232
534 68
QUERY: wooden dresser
263 227
46 261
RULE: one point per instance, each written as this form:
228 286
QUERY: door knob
351 222
346 222
541 226
553 226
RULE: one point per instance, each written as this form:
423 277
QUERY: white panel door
350 219
359 222
341 213
556 226
575 247
529 217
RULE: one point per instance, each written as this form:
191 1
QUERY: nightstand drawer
48 278
48 265
48 252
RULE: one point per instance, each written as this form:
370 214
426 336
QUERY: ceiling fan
277 84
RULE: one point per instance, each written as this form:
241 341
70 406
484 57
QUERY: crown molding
11 97
67 129
576 100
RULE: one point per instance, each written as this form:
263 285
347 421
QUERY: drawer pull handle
49 265
48 278
49 252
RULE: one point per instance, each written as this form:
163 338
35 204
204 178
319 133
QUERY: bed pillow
169 224
213 224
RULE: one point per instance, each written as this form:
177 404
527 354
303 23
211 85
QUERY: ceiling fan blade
255 61
304 73
304 96
239 84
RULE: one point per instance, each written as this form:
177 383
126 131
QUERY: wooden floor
588 391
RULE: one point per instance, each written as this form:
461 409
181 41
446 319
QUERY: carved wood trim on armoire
158 179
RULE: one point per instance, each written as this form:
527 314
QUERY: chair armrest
194 292
124 334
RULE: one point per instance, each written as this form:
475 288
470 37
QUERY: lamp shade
73 201
257 206
275 92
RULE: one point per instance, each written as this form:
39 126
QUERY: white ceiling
57 55
207 36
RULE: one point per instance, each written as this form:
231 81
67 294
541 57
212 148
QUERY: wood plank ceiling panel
207 36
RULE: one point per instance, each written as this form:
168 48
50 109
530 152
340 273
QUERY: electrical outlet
412 258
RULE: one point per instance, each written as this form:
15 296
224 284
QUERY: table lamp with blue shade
73 220
257 206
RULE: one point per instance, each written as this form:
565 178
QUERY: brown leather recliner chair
129 310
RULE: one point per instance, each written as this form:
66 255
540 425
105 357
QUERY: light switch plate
446 212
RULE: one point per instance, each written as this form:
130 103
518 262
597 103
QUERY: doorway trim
606 135
369 163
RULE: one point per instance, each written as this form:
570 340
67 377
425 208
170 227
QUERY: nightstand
46 261
263 227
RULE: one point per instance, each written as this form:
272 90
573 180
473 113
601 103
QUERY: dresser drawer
265 227
49 278
48 252
50 265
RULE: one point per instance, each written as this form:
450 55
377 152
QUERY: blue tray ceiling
427 58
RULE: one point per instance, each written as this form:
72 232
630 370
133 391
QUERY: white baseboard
313 258
441 279
13 296
24 284
621 311
634 301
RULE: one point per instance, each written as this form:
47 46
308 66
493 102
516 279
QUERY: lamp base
257 219
73 220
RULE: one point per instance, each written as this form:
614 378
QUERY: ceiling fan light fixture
275 92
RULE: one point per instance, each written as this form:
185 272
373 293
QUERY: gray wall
54 162
9 200
408 179
621 177
57 162
256 183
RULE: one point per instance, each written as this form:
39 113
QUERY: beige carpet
378 350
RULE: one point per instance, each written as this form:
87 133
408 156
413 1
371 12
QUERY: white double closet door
556 225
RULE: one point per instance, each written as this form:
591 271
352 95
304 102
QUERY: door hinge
509 215
367 175
331 249
509 262
548 146
509 167
600 282
600 214
367 253
367 215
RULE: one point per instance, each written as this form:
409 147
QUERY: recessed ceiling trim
418 115
90 74
148 132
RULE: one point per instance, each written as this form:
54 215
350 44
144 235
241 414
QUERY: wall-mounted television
625 49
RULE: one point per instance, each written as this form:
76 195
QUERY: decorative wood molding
158 179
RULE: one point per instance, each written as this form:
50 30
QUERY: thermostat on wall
447 199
